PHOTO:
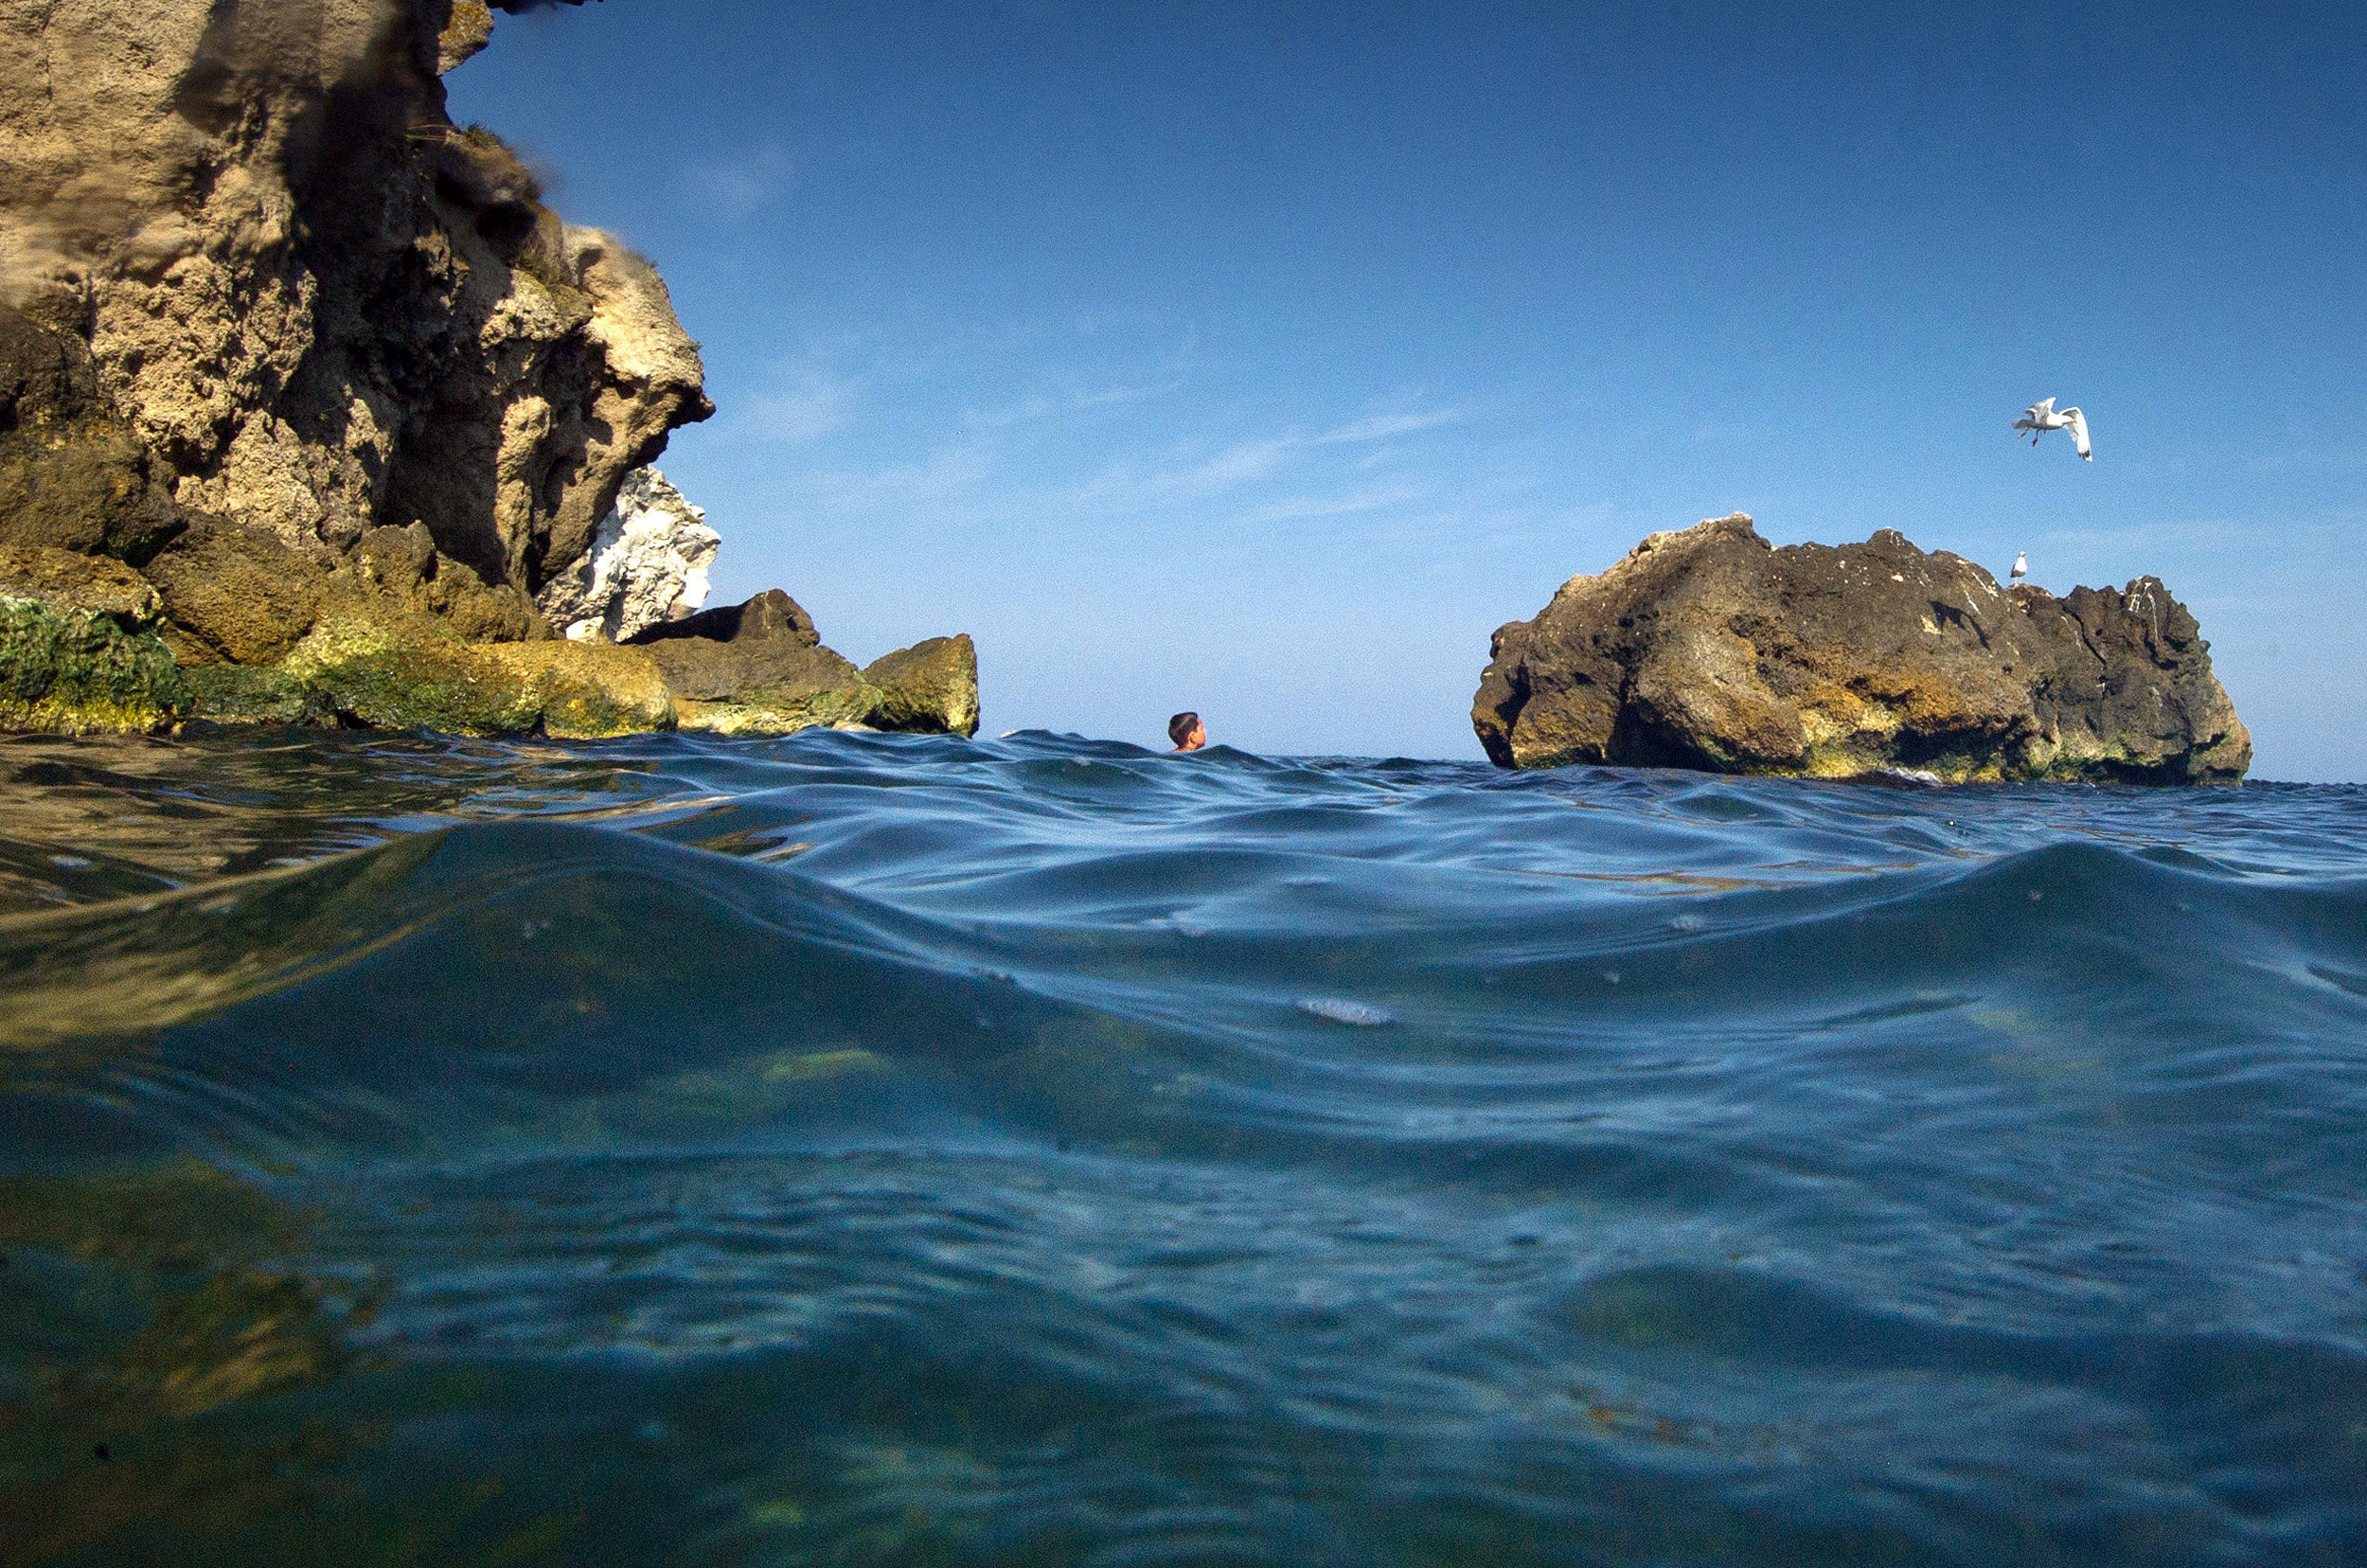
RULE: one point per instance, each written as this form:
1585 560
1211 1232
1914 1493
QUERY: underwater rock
1708 648
647 563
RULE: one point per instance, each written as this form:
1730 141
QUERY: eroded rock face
647 563
1708 648
757 667
320 305
760 669
73 475
323 369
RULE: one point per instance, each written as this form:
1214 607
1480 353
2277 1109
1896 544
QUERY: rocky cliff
1708 648
321 366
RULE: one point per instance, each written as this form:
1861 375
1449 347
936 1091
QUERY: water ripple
900 1150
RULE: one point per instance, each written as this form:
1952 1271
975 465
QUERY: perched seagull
2040 418
2022 567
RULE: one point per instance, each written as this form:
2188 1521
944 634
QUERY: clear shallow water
870 1149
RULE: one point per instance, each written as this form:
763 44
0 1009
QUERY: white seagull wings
2041 417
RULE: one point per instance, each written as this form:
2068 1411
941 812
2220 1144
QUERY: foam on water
891 1149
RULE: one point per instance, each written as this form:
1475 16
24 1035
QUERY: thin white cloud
1305 507
1238 464
1043 407
737 189
2309 460
798 414
1380 427
1248 462
953 474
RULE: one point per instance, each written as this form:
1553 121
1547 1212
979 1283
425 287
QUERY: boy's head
1186 731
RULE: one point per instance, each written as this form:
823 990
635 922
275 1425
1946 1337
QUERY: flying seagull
2040 418
2022 567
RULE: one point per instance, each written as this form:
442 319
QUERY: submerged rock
1707 648
647 563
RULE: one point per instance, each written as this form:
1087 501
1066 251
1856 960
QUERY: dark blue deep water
862 1149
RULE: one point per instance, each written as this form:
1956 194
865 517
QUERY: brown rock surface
237 593
931 686
756 668
319 304
73 475
1707 648
324 366
67 582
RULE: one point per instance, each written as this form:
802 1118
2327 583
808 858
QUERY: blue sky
1264 358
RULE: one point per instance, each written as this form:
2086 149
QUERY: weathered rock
78 651
72 475
324 367
67 582
406 564
932 686
464 35
368 662
321 305
1707 648
647 563
755 668
237 593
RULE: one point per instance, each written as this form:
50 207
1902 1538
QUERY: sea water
873 1150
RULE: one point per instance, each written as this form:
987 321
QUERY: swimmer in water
1188 732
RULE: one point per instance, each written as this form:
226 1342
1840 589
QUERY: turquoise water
875 1149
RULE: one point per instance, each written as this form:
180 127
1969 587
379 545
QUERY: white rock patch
647 563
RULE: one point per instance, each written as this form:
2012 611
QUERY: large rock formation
1707 648
319 364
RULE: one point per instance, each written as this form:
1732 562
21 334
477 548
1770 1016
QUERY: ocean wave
900 1148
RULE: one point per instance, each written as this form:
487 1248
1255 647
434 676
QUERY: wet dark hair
1180 728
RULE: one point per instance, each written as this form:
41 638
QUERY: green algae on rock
80 673
1709 647
78 652
394 670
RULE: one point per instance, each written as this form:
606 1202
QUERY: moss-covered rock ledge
78 649
86 648
366 663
